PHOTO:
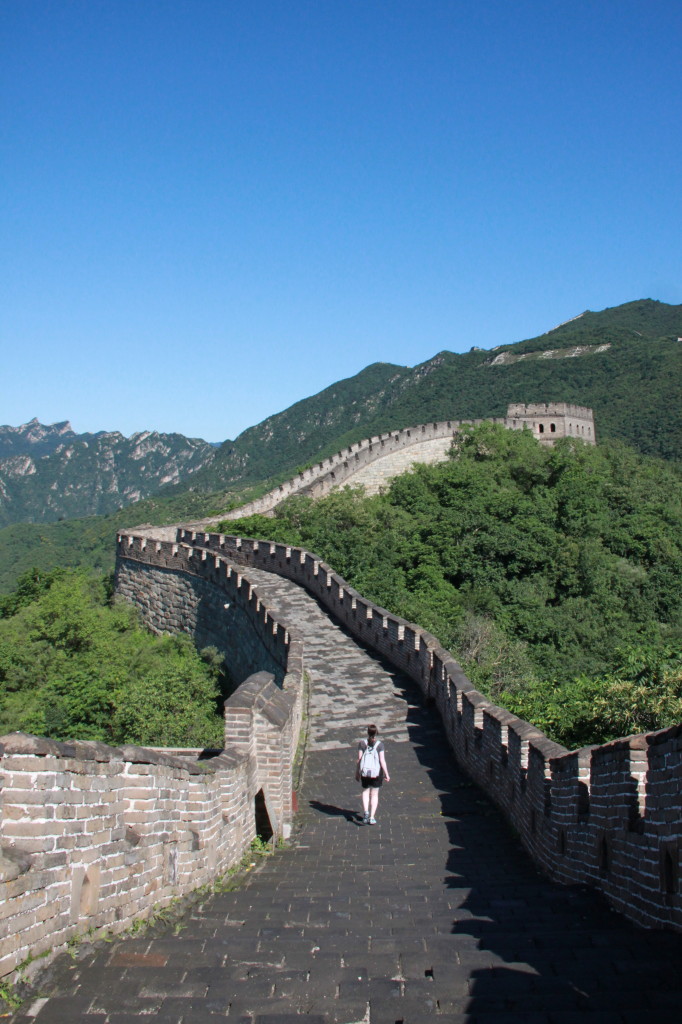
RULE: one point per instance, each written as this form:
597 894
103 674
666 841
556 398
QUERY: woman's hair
372 732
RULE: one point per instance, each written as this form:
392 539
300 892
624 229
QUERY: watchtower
552 420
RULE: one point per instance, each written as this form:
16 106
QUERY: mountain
624 362
33 438
50 472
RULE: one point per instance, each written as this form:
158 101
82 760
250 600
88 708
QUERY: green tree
75 666
537 567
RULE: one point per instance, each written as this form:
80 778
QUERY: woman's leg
365 800
373 800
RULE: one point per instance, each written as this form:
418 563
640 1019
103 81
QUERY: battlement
95 837
548 409
341 468
552 420
426 442
607 816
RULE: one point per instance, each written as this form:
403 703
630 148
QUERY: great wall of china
373 462
93 837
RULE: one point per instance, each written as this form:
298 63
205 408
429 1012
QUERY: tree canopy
553 574
75 665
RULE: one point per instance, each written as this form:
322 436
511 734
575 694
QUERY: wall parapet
93 837
609 816
322 477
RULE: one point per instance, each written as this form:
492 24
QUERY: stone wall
552 420
341 468
397 450
217 606
378 474
93 837
608 816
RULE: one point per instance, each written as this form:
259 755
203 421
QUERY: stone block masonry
608 816
214 602
553 420
355 465
94 837
373 462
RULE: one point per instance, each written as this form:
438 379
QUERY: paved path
435 912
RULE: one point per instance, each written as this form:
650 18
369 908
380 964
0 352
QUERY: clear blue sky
214 208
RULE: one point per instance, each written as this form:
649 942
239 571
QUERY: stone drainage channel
434 912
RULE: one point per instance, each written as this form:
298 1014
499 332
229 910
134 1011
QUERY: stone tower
553 420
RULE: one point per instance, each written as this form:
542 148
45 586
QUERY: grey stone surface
435 912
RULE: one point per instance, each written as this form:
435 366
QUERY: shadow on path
532 950
331 809
434 913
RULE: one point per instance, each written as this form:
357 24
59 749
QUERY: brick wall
343 467
607 816
324 476
178 589
553 420
93 837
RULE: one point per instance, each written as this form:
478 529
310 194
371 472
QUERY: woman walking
371 770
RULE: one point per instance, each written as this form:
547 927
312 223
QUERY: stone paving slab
435 912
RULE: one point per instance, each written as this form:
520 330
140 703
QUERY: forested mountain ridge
554 575
623 362
50 472
628 371
647 319
627 368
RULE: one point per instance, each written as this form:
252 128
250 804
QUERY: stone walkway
435 912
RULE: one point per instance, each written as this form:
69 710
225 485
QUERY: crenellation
398 450
154 823
592 816
109 832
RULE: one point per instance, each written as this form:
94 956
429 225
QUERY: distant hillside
50 472
624 362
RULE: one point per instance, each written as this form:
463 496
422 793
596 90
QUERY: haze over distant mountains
50 472
624 362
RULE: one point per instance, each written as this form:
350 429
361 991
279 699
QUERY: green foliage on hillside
646 319
90 543
49 472
75 666
554 575
633 388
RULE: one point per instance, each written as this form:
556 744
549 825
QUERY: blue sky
214 208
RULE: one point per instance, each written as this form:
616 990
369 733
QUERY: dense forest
628 371
90 543
555 575
74 664
626 364
633 388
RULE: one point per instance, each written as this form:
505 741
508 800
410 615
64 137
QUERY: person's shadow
337 812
